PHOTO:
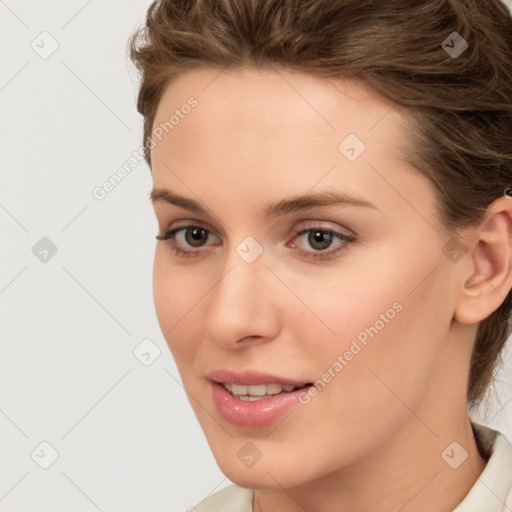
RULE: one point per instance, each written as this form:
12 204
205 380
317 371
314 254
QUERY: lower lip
255 413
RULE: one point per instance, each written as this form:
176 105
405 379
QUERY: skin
372 438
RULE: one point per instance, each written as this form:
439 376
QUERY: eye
193 235
321 238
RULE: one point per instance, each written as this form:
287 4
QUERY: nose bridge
239 306
244 265
242 278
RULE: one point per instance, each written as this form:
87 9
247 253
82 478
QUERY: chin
273 473
274 479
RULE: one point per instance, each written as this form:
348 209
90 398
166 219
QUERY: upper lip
251 377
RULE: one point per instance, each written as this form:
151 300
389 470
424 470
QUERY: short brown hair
461 104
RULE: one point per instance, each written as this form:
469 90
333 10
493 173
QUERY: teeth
274 389
239 389
257 391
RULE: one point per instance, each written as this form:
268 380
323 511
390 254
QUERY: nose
242 307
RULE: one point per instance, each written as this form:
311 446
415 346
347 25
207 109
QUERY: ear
488 281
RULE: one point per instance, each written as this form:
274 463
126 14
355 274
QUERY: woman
331 180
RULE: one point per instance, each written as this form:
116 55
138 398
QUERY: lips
252 399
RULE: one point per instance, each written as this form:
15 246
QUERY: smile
258 391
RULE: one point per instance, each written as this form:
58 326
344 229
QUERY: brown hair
461 104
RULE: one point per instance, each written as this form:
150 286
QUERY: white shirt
492 492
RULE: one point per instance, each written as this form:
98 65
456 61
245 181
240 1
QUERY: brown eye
197 235
181 238
320 239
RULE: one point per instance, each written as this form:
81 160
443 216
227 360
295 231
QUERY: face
349 301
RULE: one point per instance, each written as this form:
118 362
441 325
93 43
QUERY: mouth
253 399
253 392
255 405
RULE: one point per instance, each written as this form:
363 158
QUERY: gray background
126 437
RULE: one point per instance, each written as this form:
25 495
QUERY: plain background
124 432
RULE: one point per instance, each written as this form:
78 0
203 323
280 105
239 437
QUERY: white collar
492 492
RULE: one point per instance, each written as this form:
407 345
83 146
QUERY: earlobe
487 286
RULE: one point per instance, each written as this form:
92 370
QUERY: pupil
197 233
321 237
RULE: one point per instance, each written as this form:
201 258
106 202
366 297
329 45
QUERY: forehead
257 129
283 93
254 108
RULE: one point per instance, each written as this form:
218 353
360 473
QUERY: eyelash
321 255
317 255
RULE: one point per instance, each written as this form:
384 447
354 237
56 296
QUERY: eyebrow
277 209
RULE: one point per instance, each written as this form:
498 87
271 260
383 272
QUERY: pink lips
257 413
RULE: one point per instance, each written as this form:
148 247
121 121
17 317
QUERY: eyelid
311 224
185 223
346 240
294 230
188 223
167 220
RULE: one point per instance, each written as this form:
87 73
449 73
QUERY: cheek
175 296
380 304
391 324
164 291
361 299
